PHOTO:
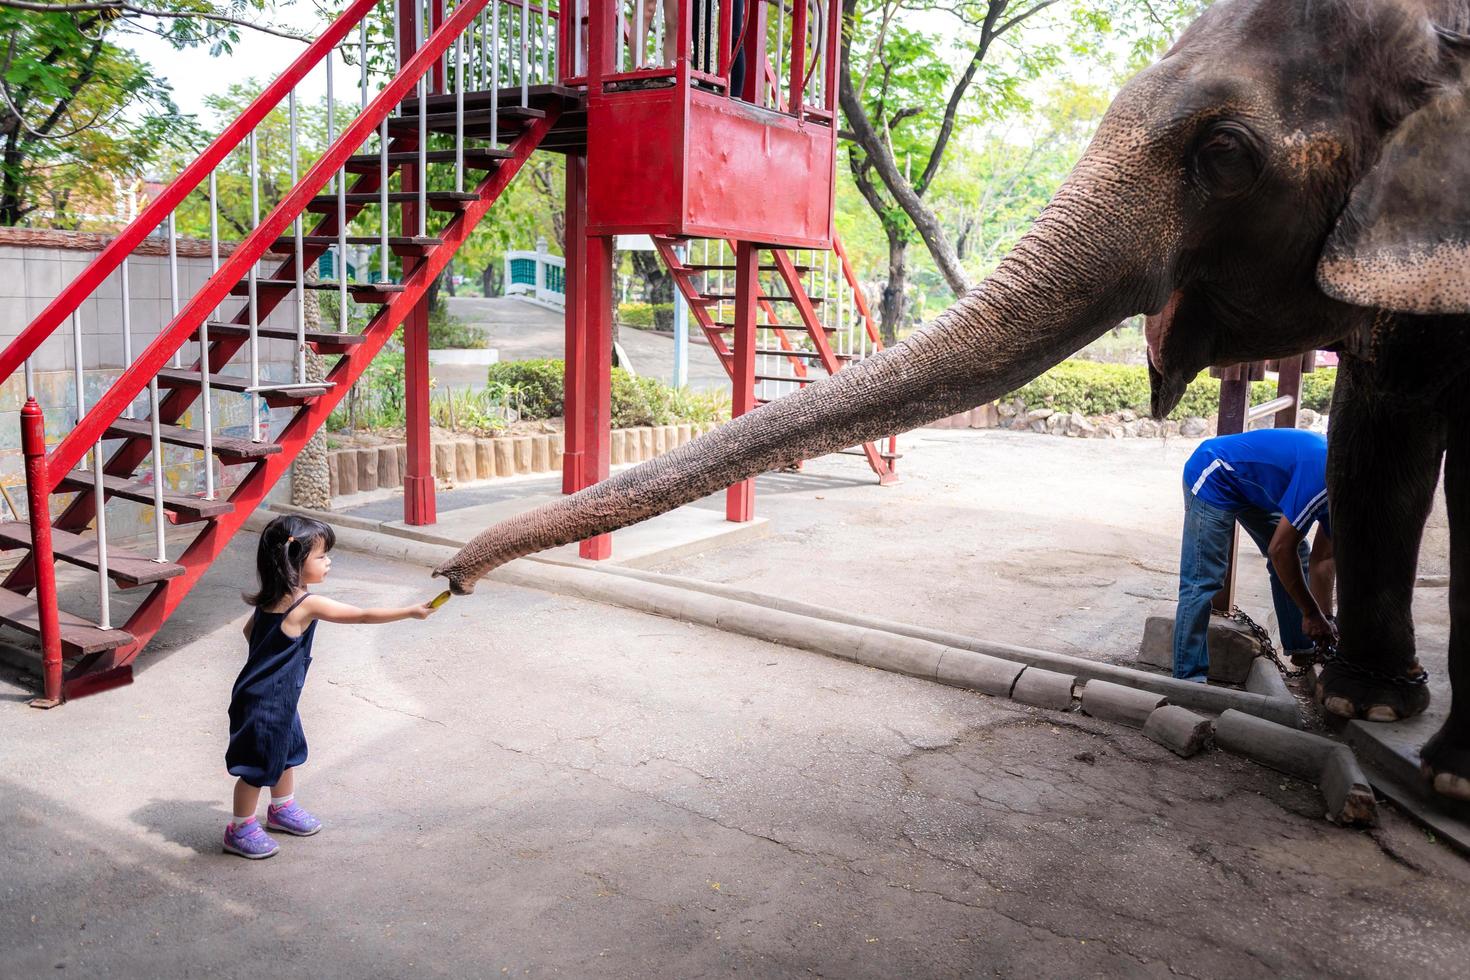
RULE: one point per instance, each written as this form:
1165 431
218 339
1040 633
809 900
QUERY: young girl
266 741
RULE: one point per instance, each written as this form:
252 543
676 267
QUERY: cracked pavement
531 785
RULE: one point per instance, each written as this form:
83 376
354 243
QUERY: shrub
637 315
1099 389
536 389
450 332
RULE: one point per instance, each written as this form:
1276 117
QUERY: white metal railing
537 277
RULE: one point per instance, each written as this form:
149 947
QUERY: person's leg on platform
1204 556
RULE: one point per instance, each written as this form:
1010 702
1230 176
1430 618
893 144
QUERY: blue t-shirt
1280 471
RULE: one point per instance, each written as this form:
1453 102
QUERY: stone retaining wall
463 460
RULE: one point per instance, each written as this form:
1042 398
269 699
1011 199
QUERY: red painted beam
740 498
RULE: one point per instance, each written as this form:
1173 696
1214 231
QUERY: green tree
78 109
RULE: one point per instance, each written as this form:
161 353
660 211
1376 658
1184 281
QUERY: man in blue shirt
1274 483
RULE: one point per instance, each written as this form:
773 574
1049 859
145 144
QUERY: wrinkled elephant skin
1289 176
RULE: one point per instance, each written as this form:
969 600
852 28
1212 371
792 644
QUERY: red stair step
295 395
321 341
78 636
436 200
126 568
225 447
475 158
730 298
363 292
809 355
859 452
723 325
182 508
412 246
792 378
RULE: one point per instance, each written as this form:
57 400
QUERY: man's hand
1319 629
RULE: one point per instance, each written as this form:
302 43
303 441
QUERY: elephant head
1253 193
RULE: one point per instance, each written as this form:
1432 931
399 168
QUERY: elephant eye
1226 162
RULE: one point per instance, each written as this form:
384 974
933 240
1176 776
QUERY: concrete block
444 460
523 453
1232 647
660 439
485 458
1044 689
388 472
989 675
1265 679
1124 705
346 460
901 654
464 461
1287 750
617 447
540 454
645 443
505 456
367 469
1346 791
1179 730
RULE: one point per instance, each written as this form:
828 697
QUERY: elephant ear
1403 244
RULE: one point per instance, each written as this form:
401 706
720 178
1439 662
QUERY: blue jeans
1203 560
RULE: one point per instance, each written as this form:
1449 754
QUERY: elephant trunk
1066 282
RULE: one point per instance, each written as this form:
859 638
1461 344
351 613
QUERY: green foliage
483 412
1099 389
84 111
447 331
539 394
646 316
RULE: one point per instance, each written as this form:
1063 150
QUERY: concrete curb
1281 708
1331 765
1179 730
1045 689
1115 702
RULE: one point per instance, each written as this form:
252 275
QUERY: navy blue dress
265 731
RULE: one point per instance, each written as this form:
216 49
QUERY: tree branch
120 9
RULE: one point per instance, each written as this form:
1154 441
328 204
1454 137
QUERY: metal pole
681 328
459 113
127 330
495 69
253 292
158 542
80 382
99 502
296 232
206 398
38 501
525 53
423 91
173 280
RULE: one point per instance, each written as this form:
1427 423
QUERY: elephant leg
1382 468
1446 756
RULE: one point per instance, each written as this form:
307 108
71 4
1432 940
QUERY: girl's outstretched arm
320 607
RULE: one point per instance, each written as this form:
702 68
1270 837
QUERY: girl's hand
422 611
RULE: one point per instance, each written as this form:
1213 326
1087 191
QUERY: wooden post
740 498
1289 382
1235 399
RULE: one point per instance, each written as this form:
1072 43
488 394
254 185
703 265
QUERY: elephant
1289 176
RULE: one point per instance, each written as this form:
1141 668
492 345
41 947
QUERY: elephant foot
1445 762
1349 691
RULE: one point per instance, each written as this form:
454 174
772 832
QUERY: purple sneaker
292 819
249 841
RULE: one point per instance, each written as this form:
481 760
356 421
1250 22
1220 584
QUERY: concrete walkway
531 785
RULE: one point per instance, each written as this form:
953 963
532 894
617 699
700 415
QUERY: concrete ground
523 331
530 785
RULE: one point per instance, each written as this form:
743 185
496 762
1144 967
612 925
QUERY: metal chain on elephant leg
310 483
1322 654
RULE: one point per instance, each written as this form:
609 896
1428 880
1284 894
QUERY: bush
450 332
536 388
646 316
1099 389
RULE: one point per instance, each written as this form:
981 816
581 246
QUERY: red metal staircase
483 75
835 330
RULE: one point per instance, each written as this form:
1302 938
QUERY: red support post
594 411
740 498
418 480
796 86
574 357
38 504
755 53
